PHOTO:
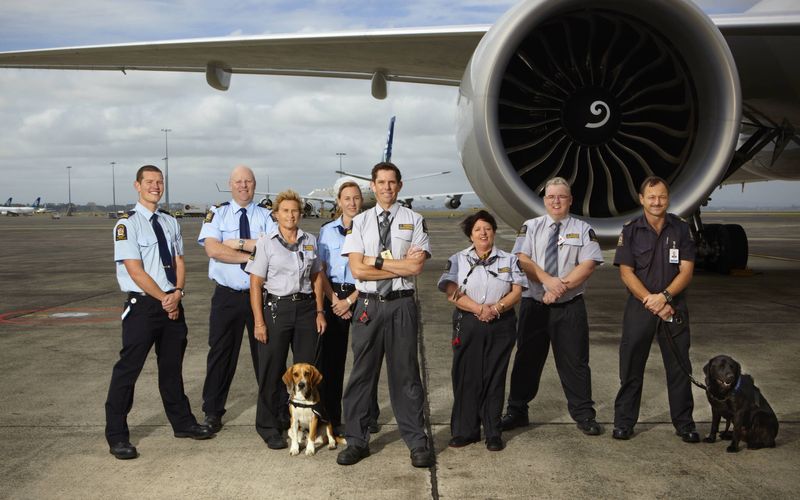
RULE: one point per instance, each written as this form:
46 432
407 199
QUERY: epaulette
127 214
327 223
165 212
627 222
222 204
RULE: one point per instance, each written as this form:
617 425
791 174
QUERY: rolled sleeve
259 259
450 273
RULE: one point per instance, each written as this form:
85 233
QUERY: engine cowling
603 96
453 202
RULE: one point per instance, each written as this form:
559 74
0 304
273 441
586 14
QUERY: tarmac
60 336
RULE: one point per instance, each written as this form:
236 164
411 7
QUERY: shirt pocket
229 231
147 241
401 239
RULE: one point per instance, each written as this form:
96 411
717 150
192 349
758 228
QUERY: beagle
305 409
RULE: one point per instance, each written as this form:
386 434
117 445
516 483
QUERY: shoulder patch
209 217
593 235
620 241
522 230
424 226
121 232
448 265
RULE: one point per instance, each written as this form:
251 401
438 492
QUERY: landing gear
720 247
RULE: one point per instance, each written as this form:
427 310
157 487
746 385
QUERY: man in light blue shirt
229 234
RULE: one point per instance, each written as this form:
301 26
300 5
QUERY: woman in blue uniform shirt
484 283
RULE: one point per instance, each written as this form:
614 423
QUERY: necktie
551 253
163 251
244 230
384 230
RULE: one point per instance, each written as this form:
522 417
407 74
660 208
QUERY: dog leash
664 330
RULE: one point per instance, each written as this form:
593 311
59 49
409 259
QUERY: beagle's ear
287 377
316 376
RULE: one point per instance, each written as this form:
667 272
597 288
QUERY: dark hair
386 165
651 181
146 168
468 223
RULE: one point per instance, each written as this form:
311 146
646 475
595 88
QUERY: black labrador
735 397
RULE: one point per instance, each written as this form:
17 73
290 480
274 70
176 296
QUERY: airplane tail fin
36 203
387 151
8 202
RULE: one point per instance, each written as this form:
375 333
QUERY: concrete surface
60 335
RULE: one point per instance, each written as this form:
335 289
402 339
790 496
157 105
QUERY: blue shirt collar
144 211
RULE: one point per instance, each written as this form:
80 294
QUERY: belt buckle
296 297
381 298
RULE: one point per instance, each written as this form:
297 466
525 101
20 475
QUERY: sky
287 129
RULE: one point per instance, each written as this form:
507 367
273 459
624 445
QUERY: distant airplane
602 92
7 209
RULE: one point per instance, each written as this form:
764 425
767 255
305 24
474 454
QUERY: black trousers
392 330
230 315
638 329
145 325
566 327
293 325
480 365
333 360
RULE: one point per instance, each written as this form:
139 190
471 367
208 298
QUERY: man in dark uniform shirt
655 255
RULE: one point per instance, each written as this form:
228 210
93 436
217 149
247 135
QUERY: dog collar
738 384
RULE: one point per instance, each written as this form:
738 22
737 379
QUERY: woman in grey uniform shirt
284 267
483 283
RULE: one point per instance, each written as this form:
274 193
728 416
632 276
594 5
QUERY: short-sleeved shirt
640 247
577 243
407 229
222 223
285 271
331 239
134 238
486 281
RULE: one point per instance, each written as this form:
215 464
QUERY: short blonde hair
288 195
558 181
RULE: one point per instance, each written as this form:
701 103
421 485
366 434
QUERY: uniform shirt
407 229
222 223
485 284
648 253
331 240
284 270
134 238
576 243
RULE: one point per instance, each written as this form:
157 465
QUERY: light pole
166 163
69 190
114 187
340 155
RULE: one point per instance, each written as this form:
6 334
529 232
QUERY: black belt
294 297
397 294
132 295
559 304
343 287
232 290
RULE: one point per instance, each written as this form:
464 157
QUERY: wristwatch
379 262
241 245
180 290
667 295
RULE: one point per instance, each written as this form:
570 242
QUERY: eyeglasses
554 197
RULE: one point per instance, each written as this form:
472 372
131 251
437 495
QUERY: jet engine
453 202
604 96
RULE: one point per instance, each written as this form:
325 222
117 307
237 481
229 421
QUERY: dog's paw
710 439
294 451
726 435
332 444
731 449
310 451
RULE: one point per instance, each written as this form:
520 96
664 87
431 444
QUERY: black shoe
374 428
512 421
495 443
196 431
623 433
688 435
422 457
123 450
460 442
276 442
352 454
213 422
590 427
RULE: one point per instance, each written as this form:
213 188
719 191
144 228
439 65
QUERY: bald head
243 185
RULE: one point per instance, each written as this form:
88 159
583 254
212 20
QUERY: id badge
386 254
674 256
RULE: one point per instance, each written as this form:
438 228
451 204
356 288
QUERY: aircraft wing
433 55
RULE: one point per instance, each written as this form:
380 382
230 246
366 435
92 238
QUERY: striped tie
551 253
385 234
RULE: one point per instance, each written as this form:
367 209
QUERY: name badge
386 254
673 256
